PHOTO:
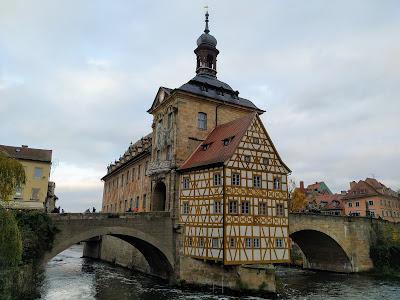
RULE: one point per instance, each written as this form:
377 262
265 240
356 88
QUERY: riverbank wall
18 283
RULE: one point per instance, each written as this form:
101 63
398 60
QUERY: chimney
301 186
352 184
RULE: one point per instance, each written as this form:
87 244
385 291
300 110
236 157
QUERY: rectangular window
362 191
279 211
236 179
257 181
232 243
139 171
117 181
279 243
111 208
265 161
350 204
38 173
185 208
19 193
144 201
122 179
245 208
109 186
170 121
158 155
133 174
131 204
233 207
201 242
256 243
35 194
247 158
263 209
215 243
126 205
217 179
146 167
120 206
255 140
277 184
357 204
389 202
371 202
169 152
248 242
127 177
202 120
190 241
115 207
381 202
186 183
137 202
217 207
372 213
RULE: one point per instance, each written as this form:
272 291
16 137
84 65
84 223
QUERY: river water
68 276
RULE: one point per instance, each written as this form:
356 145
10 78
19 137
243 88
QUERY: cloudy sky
77 77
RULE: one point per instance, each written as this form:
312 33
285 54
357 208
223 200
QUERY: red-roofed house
326 203
370 193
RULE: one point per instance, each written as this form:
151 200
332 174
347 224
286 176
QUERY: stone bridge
151 233
332 243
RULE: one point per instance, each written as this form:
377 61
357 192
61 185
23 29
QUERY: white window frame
236 179
262 209
186 183
350 204
215 243
36 175
248 243
233 207
185 208
278 243
280 210
217 179
357 204
202 120
19 193
256 181
35 191
371 202
277 184
256 243
217 207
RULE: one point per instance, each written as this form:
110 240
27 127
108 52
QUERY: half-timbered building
213 165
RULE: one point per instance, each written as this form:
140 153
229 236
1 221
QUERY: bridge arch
160 259
322 251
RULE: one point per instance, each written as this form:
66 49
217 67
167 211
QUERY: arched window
202 120
198 62
210 61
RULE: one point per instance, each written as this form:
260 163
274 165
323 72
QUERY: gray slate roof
210 86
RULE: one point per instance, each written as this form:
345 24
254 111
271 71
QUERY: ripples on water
68 276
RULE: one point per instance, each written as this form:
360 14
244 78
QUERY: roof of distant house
366 188
328 200
26 153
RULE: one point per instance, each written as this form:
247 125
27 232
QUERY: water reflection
68 276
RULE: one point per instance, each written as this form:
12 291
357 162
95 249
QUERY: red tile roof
217 152
328 199
365 188
26 153
314 186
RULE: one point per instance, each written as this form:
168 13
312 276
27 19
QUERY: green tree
12 175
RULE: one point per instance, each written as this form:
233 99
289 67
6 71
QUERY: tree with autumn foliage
297 200
12 175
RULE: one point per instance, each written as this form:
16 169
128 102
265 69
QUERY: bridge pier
92 247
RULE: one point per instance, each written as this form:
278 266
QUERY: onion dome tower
206 53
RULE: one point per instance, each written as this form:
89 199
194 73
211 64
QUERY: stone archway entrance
159 197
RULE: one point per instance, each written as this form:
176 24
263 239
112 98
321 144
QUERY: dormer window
362 191
206 146
354 192
227 141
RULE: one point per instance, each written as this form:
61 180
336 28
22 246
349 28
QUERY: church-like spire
206 52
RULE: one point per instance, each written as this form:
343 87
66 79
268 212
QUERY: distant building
318 187
373 196
38 192
326 203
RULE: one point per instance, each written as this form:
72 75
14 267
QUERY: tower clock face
161 97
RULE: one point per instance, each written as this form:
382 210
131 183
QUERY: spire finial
207 30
